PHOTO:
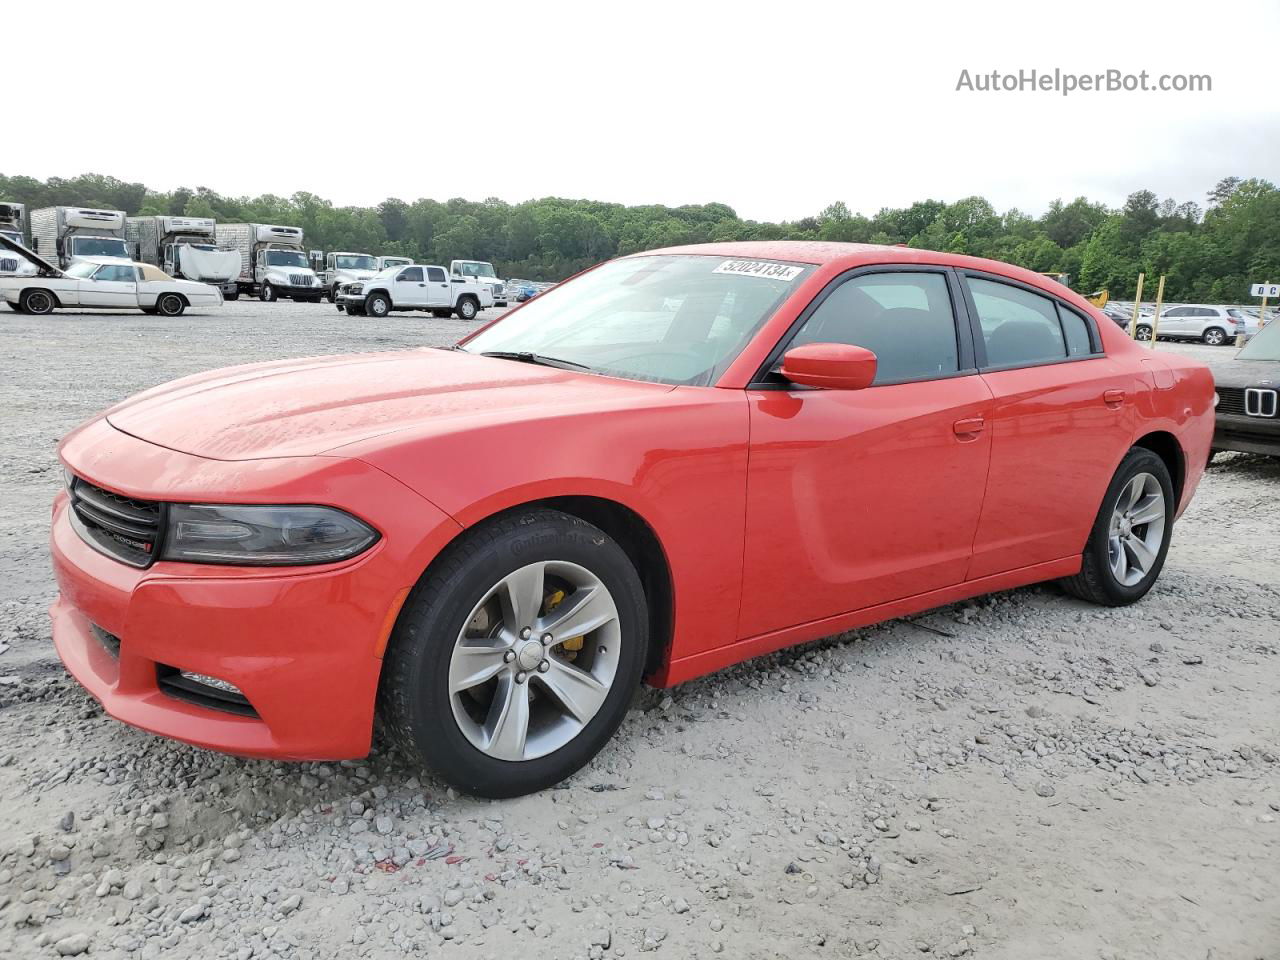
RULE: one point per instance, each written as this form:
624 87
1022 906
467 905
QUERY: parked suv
1212 325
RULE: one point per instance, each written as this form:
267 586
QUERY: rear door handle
969 428
1113 398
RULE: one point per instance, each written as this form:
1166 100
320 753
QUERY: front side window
679 319
408 274
122 274
1018 327
1178 312
905 319
81 270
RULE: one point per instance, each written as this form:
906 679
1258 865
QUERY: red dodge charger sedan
674 462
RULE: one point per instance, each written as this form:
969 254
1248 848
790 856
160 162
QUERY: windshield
668 319
81 270
471 268
388 263
99 247
12 235
1265 344
286 258
356 262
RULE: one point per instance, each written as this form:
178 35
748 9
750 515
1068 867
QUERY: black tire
355 310
415 709
232 296
468 308
341 308
332 294
1142 332
38 303
170 305
442 314
311 299
377 305
267 293
1096 582
1214 336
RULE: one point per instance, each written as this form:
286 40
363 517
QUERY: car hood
1247 373
313 406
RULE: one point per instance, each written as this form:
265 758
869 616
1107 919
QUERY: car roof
848 255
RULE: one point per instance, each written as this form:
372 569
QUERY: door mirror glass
833 366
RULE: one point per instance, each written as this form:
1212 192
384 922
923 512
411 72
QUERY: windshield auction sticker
760 268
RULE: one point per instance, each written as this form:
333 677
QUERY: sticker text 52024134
760 268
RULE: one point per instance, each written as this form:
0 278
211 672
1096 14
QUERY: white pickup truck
415 287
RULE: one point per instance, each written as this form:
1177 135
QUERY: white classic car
102 282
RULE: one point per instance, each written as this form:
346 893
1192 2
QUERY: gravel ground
1024 775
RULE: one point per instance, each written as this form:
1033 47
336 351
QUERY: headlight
1216 398
263 535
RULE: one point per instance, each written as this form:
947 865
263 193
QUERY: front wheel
267 293
1130 536
233 295
1143 332
1215 336
170 305
332 294
39 303
517 655
377 305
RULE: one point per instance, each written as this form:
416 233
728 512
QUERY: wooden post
1137 305
1262 319
1155 320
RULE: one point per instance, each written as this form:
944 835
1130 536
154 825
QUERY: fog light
211 682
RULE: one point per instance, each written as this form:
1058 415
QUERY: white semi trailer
273 262
60 234
186 248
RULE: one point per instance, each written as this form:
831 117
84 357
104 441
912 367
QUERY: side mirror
834 366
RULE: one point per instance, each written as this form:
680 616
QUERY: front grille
201 691
119 526
1231 400
1261 403
299 279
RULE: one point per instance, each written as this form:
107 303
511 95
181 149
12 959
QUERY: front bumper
302 644
1247 434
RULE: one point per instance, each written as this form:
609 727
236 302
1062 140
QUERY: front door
111 285
410 288
1064 417
860 497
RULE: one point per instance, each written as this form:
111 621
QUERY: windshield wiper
525 356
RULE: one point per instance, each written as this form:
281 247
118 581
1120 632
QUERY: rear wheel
377 305
1214 336
1143 332
170 305
517 656
1130 536
37 302
234 295
267 293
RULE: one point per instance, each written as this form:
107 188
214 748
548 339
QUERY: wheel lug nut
544 666
520 677
526 633
509 656
546 639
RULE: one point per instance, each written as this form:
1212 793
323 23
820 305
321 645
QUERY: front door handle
969 428
1113 398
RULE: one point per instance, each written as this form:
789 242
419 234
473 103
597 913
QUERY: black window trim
766 377
979 341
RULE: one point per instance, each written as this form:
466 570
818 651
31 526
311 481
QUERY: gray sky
776 109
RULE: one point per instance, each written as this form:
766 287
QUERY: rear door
112 285
860 497
439 289
410 288
1064 415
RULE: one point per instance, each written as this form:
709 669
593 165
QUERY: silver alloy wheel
1137 529
520 685
1142 333
1214 337
378 307
467 309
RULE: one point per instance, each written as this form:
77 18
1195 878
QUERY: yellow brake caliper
571 646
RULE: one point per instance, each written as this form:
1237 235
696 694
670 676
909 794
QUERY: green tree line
1209 252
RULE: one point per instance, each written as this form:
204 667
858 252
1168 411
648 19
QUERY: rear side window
435 274
905 319
1018 327
1076 330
